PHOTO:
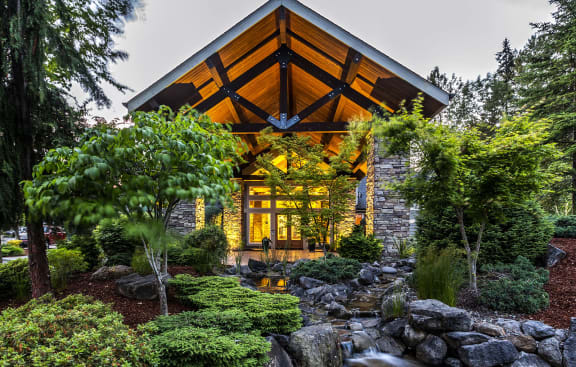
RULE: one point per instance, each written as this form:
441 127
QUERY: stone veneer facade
183 219
233 218
387 215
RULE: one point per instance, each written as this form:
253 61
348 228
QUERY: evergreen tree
45 46
547 78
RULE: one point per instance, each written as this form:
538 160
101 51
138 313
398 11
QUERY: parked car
52 234
23 234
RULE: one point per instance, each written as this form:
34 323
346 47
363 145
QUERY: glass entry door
288 235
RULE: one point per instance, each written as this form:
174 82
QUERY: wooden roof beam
220 77
316 127
282 20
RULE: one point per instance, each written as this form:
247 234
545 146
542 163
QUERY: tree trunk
573 183
37 259
470 257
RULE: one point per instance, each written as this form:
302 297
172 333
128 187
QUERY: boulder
489 354
549 350
432 350
538 330
523 342
111 272
278 267
570 346
394 328
136 286
452 362
412 337
309 283
388 270
362 342
371 322
316 346
489 329
387 344
510 326
277 354
393 306
257 266
355 326
529 360
366 277
434 316
554 255
245 270
456 339
337 310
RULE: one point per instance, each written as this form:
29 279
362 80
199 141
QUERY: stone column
233 217
183 218
387 215
200 213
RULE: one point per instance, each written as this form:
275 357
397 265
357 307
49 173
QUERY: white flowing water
376 359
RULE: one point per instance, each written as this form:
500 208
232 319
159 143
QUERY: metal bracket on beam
274 121
293 121
283 56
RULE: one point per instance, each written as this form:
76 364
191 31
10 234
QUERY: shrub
519 232
115 242
75 331
14 243
439 274
271 313
228 320
8 250
564 226
196 347
210 248
518 287
331 270
88 246
63 263
360 247
404 247
140 263
15 280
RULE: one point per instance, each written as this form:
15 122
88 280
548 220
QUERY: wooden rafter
349 73
316 127
220 77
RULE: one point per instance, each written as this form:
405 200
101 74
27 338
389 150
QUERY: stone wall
183 219
233 218
387 215
200 213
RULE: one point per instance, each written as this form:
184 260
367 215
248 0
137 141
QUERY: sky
459 36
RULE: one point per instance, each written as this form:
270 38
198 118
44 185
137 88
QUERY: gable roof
320 43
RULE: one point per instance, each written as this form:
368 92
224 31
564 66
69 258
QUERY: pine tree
547 78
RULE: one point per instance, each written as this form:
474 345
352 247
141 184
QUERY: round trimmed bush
360 247
118 247
331 270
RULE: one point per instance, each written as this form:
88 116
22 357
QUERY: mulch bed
135 312
561 288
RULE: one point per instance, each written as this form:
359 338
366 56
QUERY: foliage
269 313
143 172
518 231
360 247
14 243
439 274
196 347
88 246
316 186
404 247
332 270
517 287
564 226
14 280
205 248
64 263
10 250
475 174
227 320
113 238
74 331
140 263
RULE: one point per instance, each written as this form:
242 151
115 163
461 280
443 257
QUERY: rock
394 328
432 350
373 332
231 270
248 283
371 322
529 360
456 339
489 329
337 310
278 267
489 354
393 306
111 272
549 350
309 283
355 326
327 298
412 337
554 255
510 326
538 330
362 342
452 362
136 286
354 284
277 354
245 270
435 316
388 270
523 342
365 277
316 346
387 344
561 334
257 266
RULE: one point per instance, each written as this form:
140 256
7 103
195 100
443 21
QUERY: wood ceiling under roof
287 72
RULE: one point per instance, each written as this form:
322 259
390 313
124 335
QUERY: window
259 227
259 204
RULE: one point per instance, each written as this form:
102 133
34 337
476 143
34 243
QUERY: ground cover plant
331 270
564 226
74 331
360 247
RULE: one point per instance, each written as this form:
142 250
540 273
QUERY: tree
45 46
141 172
547 79
475 174
318 187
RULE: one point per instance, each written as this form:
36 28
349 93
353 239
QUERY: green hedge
88 246
518 232
360 247
331 270
9 250
564 226
75 331
228 320
14 280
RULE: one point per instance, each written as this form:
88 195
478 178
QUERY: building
288 67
